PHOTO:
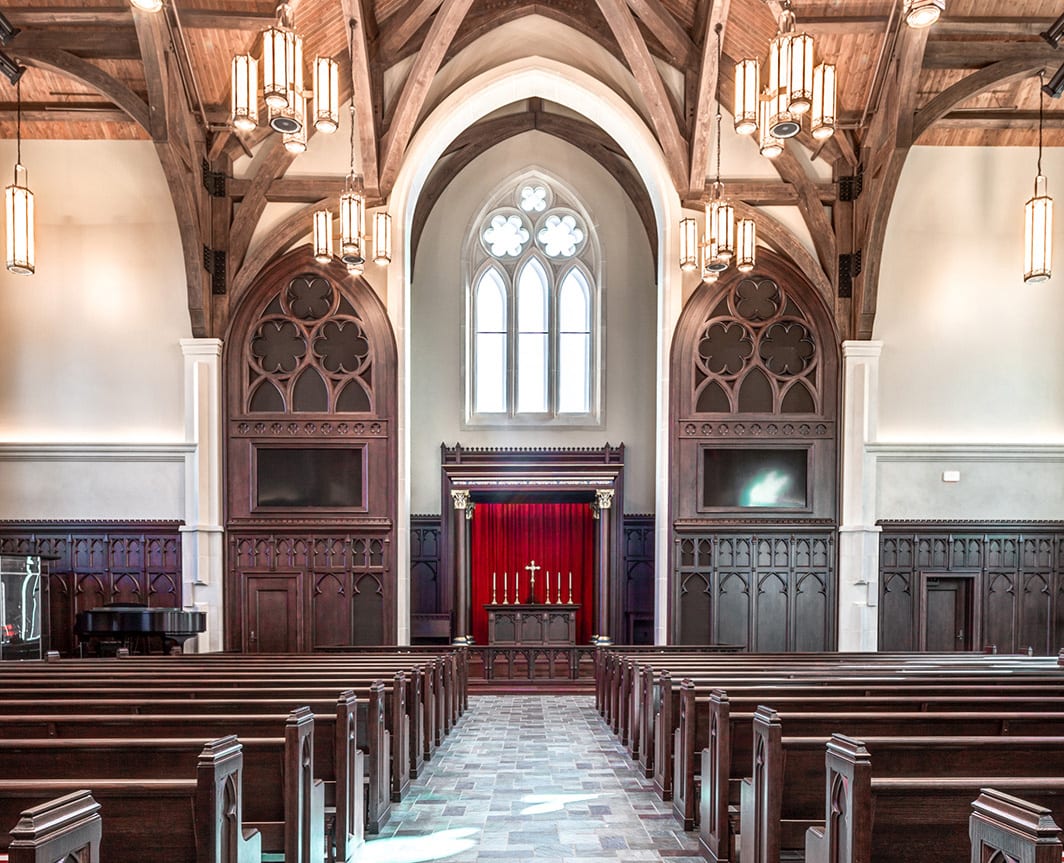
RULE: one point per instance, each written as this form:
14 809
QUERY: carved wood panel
767 591
1018 569
638 586
99 563
426 591
311 485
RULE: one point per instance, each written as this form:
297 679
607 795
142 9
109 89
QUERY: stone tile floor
531 777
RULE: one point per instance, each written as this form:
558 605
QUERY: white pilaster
202 537
858 622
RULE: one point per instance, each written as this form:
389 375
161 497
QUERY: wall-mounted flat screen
743 478
326 477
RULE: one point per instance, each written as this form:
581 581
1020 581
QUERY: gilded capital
460 498
604 497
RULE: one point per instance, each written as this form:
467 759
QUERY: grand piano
137 627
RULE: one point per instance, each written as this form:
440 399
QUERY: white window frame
478 260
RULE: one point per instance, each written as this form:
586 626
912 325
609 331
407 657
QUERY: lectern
532 624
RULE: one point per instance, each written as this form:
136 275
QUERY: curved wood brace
68 64
788 245
813 213
1002 72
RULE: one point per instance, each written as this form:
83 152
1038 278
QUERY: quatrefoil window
533 199
310 298
278 346
341 346
787 348
757 300
725 347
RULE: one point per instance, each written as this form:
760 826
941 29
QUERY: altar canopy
560 537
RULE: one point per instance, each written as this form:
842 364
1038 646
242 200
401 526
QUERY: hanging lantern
147 5
768 144
800 85
720 225
781 122
746 253
278 61
245 100
326 95
922 13
323 236
747 86
688 244
711 268
822 122
21 245
382 238
352 216
356 269
295 141
1038 234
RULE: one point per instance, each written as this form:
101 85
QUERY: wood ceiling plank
666 29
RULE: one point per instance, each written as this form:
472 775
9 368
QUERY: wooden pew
67 828
166 821
783 797
901 831
1003 827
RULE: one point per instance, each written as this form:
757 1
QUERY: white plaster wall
629 316
90 343
970 376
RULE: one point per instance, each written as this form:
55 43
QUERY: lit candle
546 587
493 588
517 587
570 587
505 601
559 586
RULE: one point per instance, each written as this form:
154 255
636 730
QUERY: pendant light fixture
382 238
147 5
922 13
323 236
1038 217
689 244
794 86
352 212
244 105
326 95
21 251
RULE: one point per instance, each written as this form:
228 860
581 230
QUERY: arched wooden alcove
754 463
310 394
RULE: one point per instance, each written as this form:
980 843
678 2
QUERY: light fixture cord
18 123
720 54
1041 102
351 171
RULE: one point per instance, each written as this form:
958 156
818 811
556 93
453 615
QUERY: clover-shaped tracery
787 348
725 347
278 346
506 235
342 346
533 198
310 297
560 235
757 299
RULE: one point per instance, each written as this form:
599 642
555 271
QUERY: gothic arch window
532 311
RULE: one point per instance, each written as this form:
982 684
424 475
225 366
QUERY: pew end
1005 827
68 827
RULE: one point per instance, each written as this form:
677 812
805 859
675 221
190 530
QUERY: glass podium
23 598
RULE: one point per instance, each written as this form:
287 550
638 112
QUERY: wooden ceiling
100 70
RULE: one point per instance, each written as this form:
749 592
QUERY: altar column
601 510
464 509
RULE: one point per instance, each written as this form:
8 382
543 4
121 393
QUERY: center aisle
525 777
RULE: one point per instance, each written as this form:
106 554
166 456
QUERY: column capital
604 497
460 499
201 347
861 348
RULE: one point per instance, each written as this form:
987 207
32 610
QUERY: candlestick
570 587
517 587
505 600
546 586
494 601
559 594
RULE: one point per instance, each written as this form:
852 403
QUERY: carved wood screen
1018 575
311 485
754 483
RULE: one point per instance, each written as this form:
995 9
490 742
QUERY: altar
532 624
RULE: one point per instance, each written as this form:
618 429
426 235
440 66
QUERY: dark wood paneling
765 590
310 365
426 592
638 590
1017 572
98 563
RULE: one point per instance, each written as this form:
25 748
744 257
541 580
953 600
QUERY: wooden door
272 613
948 622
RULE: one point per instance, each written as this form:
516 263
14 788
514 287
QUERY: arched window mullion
490 311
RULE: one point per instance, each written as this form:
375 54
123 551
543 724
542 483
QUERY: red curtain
559 537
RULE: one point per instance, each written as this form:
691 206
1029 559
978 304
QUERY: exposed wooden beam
655 97
88 41
76 112
402 26
773 232
1001 119
89 74
764 193
809 205
152 47
119 13
704 120
416 88
666 29
990 25
972 85
955 54
358 15
889 140
270 162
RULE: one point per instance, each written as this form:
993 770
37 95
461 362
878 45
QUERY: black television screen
326 477
742 478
